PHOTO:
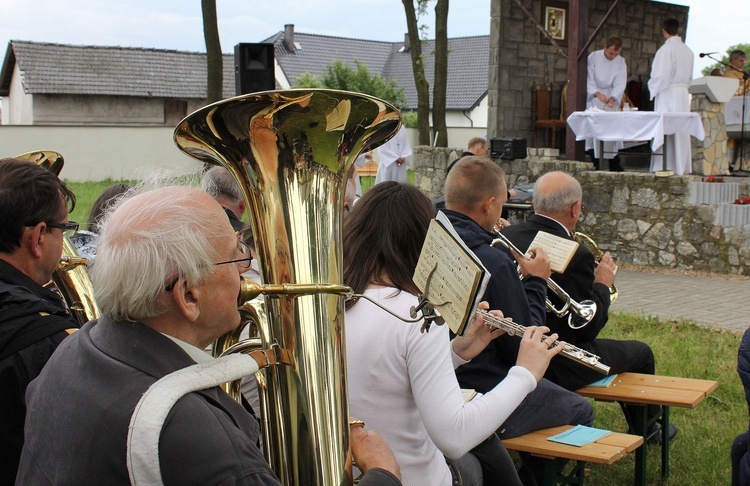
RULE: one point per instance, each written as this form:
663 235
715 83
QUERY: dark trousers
740 461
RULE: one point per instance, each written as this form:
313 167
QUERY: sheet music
560 250
457 280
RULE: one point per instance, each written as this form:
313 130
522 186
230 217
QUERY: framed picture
555 21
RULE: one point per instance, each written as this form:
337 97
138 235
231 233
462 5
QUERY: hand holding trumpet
536 263
605 272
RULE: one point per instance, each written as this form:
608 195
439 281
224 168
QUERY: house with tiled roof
55 84
468 57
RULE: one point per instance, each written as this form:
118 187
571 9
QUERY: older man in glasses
33 319
167 279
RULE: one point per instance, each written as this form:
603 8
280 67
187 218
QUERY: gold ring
353 421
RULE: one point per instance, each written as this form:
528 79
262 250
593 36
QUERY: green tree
214 61
725 58
339 75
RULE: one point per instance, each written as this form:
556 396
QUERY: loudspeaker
508 148
253 68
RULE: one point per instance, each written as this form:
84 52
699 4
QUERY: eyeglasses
68 229
243 263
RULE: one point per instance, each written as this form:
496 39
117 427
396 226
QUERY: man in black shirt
33 319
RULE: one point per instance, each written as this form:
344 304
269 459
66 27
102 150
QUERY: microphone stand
745 77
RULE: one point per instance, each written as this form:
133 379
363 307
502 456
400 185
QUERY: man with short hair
557 206
224 188
167 281
671 73
605 86
33 319
735 70
474 194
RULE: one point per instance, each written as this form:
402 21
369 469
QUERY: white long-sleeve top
606 77
401 383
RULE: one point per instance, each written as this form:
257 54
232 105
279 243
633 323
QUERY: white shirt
401 383
606 77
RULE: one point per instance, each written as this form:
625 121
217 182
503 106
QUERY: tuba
291 152
588 242
71 277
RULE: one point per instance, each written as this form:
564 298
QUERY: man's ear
187 299
487 205
33 238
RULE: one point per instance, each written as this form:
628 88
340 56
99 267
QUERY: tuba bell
291 152
71 277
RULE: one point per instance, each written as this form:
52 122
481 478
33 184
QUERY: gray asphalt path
714 302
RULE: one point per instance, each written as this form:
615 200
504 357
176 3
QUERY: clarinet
569 351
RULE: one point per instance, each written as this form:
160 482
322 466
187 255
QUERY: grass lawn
700 453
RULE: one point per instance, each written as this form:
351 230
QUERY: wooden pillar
578 10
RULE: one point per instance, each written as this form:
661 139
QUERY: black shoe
654 437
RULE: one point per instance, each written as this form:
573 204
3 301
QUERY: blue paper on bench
604 382
579 435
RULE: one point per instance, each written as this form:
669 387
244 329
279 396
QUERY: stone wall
642 219
518 57
710 154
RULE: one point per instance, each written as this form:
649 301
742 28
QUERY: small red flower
742 200
713 178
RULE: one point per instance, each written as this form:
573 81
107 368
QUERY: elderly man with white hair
167 281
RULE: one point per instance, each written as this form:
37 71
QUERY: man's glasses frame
240 262
68 229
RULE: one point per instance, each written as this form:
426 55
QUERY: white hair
558 199
165 236
218 182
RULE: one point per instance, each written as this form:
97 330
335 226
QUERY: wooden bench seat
640 390
606 450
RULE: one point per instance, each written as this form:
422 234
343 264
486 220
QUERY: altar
632 126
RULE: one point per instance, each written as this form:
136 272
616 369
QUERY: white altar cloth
628 126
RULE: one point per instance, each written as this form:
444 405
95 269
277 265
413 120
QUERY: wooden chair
540 113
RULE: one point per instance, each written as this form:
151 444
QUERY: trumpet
579 313
588 242
569 351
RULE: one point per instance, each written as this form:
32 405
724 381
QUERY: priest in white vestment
605 85
395 159
671 73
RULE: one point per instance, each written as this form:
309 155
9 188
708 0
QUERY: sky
176 24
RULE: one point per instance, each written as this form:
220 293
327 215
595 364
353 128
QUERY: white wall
18 106
98 153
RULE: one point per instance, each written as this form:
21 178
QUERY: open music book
450 275
560 250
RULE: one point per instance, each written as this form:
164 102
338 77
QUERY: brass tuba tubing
579 313
291 152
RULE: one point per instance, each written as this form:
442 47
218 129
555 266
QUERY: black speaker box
508 148
253 68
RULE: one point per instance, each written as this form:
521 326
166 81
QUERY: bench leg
551 475
665 443
640 427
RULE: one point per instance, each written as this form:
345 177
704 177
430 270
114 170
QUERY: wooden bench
606 450
639 391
